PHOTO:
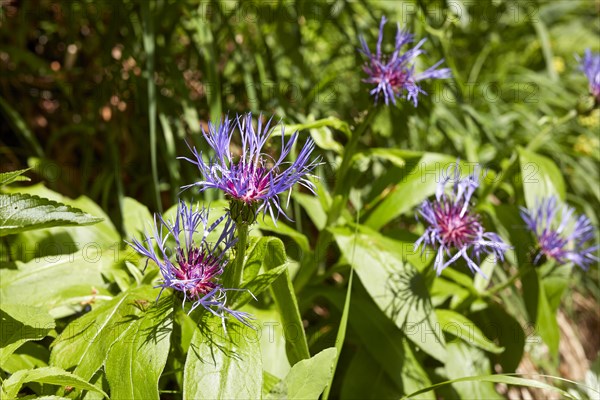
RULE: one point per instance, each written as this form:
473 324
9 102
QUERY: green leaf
13 176
313 207
384 342
256 286
341 335
135 362
508 379
285 299
463 328
308 378
59 286
418 183
29 356
85 343
395 156
366 379
136 218
396 287
22 212
21 323
267 224
223 365
464 360
50 375
541 178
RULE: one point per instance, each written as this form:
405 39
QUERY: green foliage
100 100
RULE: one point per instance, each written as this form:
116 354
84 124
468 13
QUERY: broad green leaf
331 122
498 325
460 326
419 183
22 212
21 323
58 284
13 176
49 375
85 343
135 362
103 234
29 356
384 342
323 138
136 218
313 207
396 287
546 322
256 286
365 379
287 304
307 379
541 178
464 360
271 331
223 365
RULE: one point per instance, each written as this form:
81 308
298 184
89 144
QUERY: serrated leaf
307 379
21 323
13 176
49 375
22 212
84 344
223 366
136 361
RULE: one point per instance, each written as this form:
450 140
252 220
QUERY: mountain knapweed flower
189 267
590 65
253 181
560 234
454 229
394 74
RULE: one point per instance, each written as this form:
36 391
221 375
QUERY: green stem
509 282
238 264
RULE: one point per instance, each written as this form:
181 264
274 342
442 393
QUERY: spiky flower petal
590 65
454 229
189 266
254 179
561 235
394 75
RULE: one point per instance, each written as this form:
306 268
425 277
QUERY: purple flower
190 267
560 234
453 229
590 65
394 74
254 180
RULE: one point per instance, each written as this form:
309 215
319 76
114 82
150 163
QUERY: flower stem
238 264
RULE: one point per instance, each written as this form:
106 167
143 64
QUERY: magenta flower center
248 183
455 230
198 270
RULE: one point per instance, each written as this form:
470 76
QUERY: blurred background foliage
100 98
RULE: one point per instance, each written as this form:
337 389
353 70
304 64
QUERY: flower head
253 181
560 234
454 230
189 267
394 75
590 65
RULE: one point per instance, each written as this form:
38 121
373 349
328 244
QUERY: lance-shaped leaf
23 212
